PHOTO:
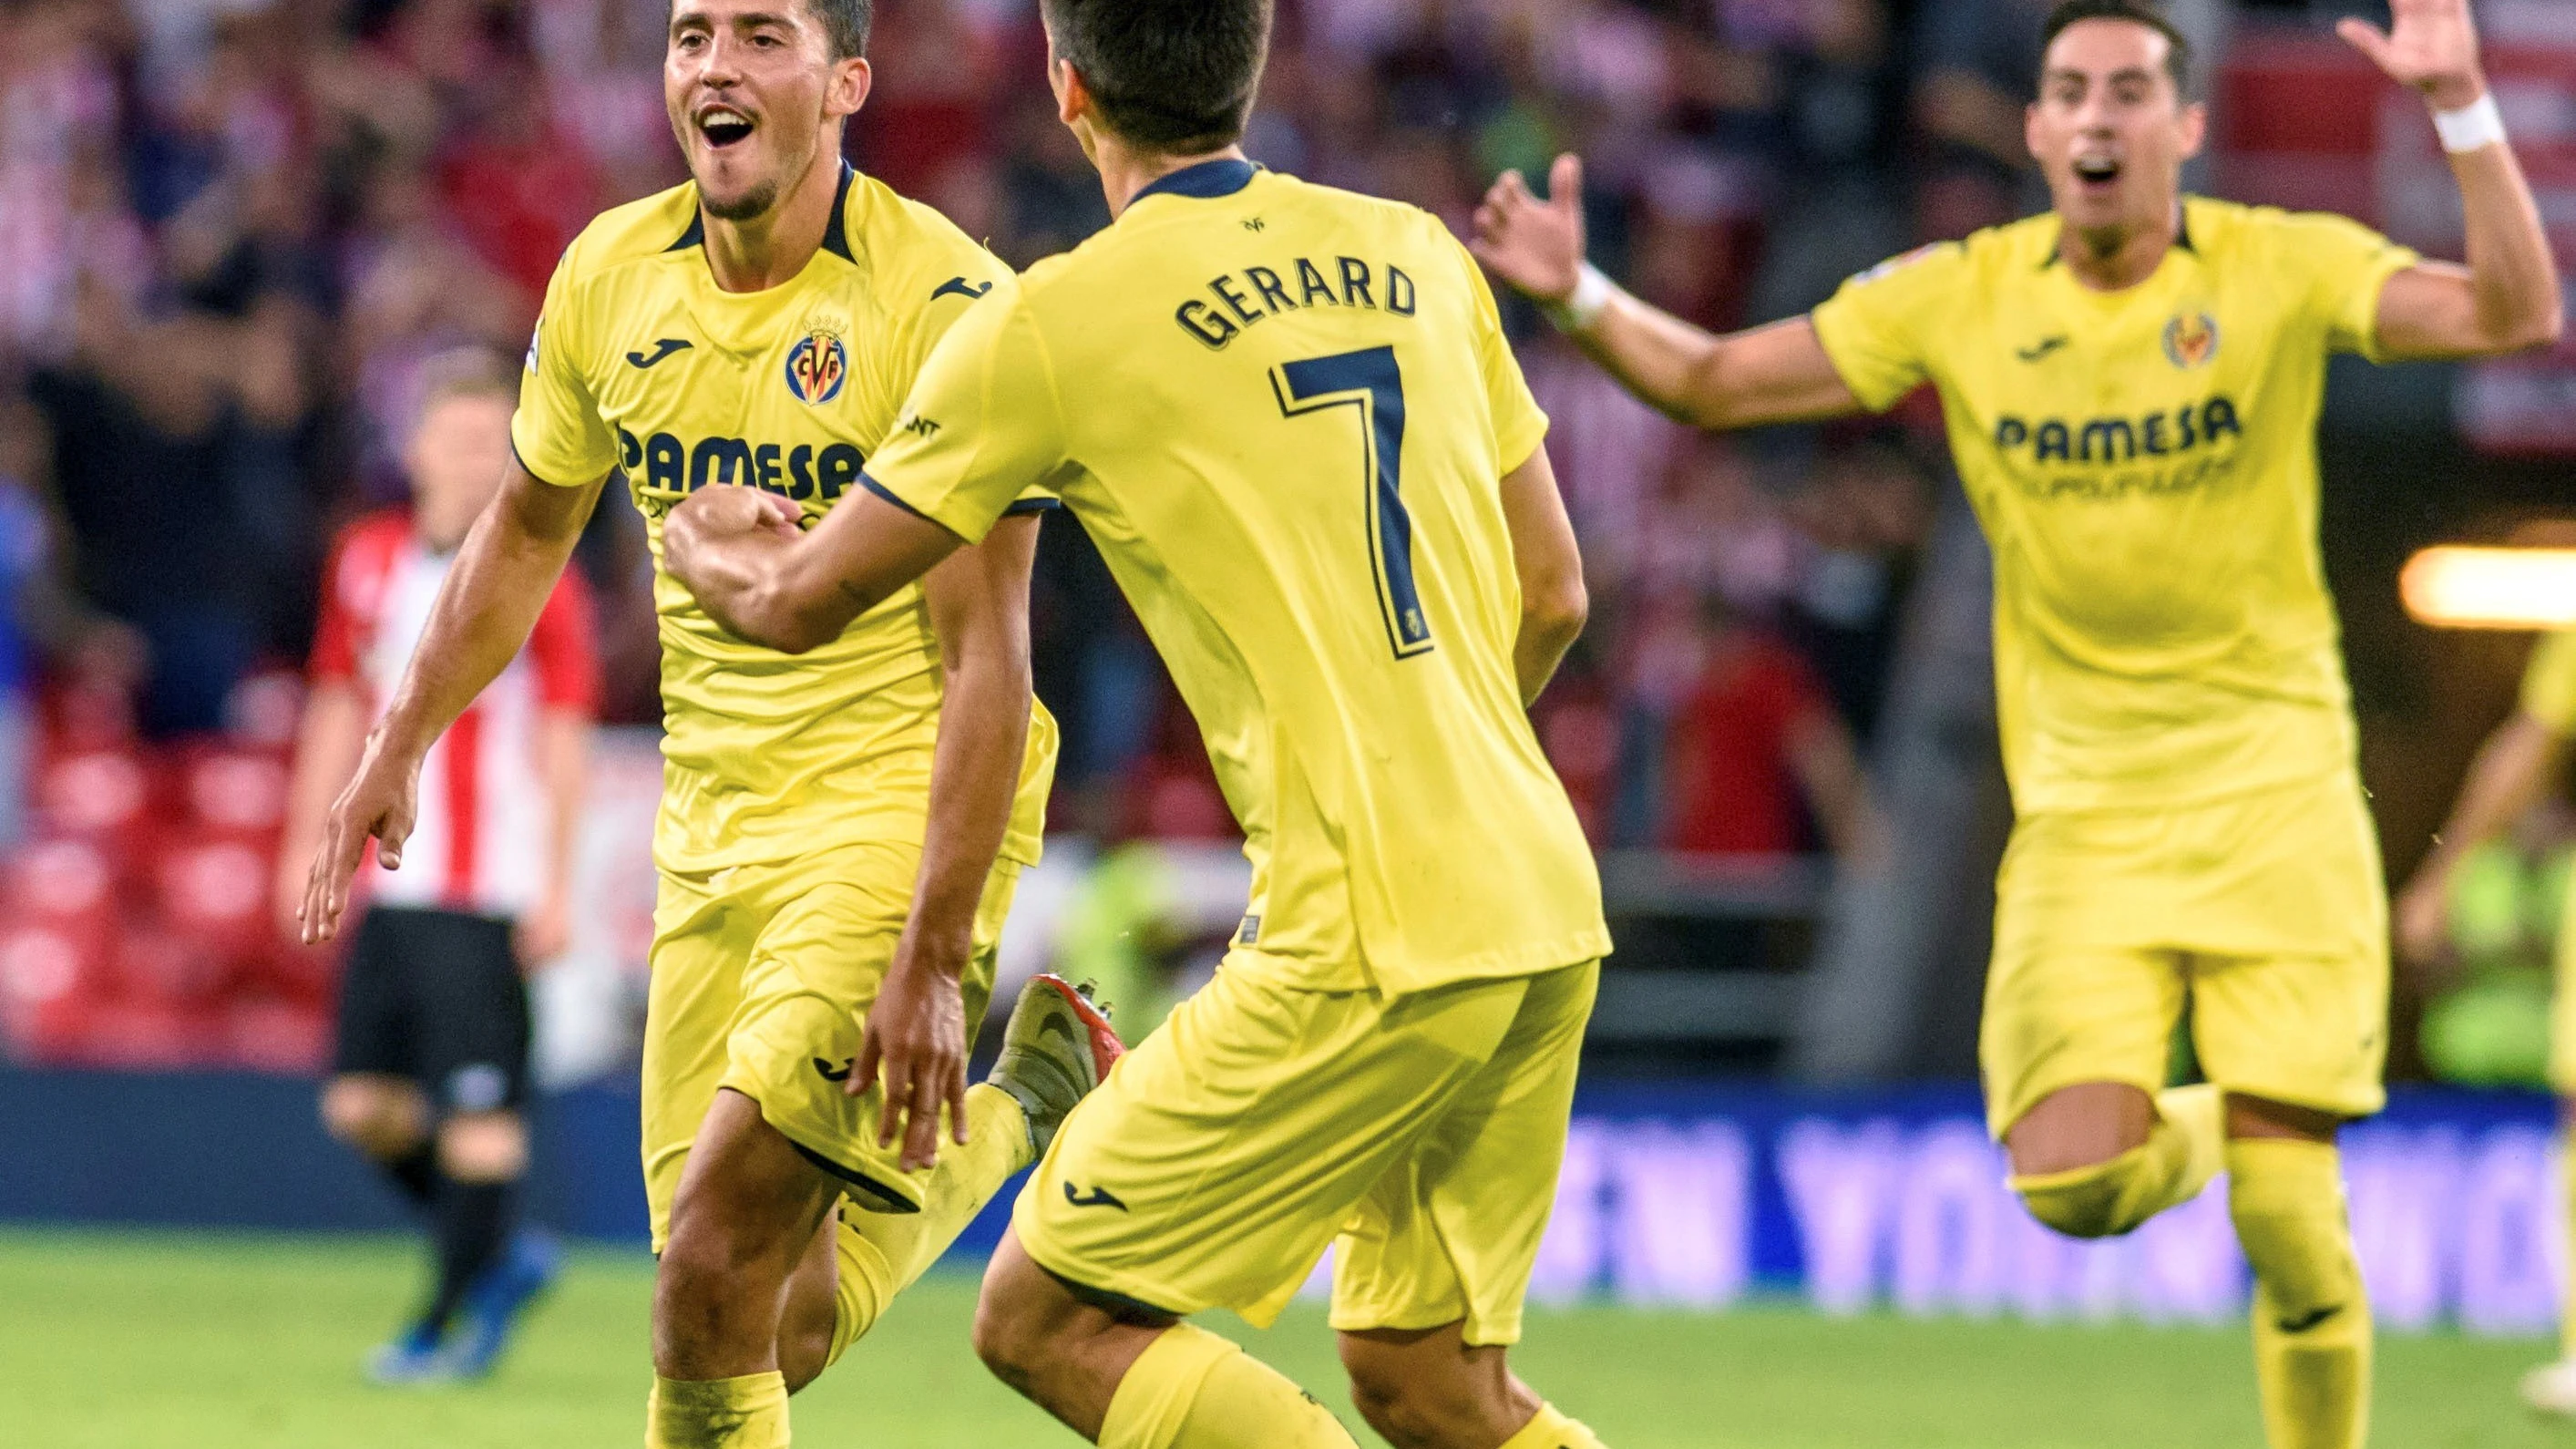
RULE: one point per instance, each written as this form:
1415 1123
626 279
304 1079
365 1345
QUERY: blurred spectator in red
1754 738
430 1073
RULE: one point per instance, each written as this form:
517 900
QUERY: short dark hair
1174 76
845 23
2136 12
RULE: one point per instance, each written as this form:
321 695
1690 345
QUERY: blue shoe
418 1357
493 1305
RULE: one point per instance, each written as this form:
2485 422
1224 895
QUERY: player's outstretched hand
1536 246
2431 45
380 803
915 1040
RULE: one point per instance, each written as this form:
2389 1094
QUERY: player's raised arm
2506 298
739 551
1778 373
498 586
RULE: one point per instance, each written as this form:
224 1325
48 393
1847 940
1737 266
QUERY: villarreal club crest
2191 339
818 364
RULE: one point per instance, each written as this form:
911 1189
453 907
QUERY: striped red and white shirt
480 843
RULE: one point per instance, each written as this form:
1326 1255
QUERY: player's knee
1405 1413
803 1354
2086 1202
483 1147
1433 1393
379 1119
1007 1337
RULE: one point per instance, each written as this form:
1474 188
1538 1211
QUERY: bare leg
748 1214
1430 1389
1059 1352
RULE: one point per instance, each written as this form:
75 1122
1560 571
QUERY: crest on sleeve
816 367
2191 340
536 335
1899 262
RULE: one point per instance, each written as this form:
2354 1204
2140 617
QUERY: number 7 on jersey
1370 381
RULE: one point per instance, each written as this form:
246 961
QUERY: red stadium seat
150 1035
157 966
215 891
66 886
94 792
239 792
267 1034
50 982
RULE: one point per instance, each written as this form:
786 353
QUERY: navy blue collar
1206 181
836 232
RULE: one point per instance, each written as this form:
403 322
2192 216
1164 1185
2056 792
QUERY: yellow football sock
2181 1154
1553 1430
749 1412
2567 1225
1191 1389
882 1253
2311 1318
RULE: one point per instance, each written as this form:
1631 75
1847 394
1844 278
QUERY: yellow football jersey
642 364
2145 466
2549 682
1283 411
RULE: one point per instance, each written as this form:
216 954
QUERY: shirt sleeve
563 648
983 429
2549 683
557 431
1874 328
2346 265
1520 424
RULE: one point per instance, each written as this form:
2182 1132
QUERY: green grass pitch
123 1340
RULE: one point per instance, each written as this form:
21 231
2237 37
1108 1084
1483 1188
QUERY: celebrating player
431 1067
2131 385
1289 417
830 824
2514 769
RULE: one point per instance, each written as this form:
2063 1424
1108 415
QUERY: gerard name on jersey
1254 294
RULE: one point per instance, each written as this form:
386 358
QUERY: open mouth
2097 170
723 126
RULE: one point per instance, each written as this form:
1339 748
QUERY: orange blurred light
2491 588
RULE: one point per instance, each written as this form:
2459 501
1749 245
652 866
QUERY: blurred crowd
232 230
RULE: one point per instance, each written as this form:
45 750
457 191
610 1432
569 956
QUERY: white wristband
2472 127
1581 307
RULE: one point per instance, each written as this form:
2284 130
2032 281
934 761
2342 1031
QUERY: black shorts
436 996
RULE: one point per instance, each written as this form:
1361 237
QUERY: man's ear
851 80
1072 94
2195 128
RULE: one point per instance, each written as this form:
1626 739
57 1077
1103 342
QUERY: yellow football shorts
1264 1122
2264 916
762 980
